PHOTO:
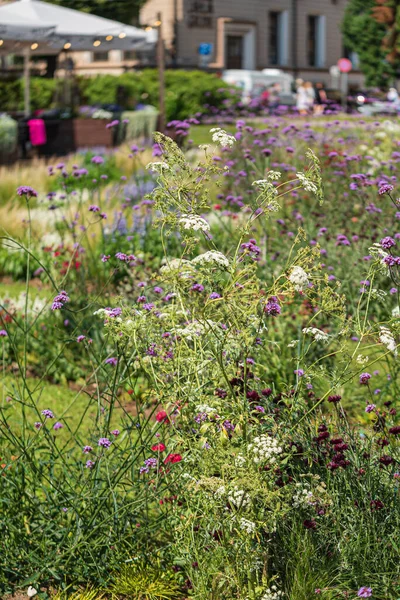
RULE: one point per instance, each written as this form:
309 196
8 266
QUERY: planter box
89 133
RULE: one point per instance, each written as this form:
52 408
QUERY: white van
253 83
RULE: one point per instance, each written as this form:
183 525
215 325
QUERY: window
273 37
278 38
316 41
100 57
129 55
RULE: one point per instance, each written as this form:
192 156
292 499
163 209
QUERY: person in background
320 98
301 97
394 98
310 96
274 92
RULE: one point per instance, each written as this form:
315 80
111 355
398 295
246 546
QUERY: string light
157 23
34 46
109 38
149 28
97 43
1 42
67 46
122 35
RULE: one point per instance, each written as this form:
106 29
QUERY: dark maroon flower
386 460
395 430
310 524
334 399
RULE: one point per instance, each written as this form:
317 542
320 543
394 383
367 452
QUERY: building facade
300 36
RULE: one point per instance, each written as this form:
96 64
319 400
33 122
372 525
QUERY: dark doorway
234 52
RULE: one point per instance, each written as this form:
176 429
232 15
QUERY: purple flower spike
27 190
104 442
364 592
364 378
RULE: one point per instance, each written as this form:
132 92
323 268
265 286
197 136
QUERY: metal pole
345 90
27 82
161 73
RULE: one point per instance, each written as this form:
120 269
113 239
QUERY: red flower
173 458
158 448
162 416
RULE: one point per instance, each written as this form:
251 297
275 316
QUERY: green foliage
117 10
364 35
146 582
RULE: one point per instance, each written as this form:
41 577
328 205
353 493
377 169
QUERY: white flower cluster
265 449
204 408
379 254
317 334
194 222
307 184
158 167
303 496
221 137
212 257
362 360
272 593
299 278
176 264
379 295
239 498
248 526
240 460
387 339
265 186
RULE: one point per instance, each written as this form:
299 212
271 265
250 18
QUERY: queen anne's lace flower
194 222
158 167
264 449
212 257
317 334
387 339
248 526
272 593
239 498
299 278
221 137
307 184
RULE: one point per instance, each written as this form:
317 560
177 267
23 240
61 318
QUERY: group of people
310 98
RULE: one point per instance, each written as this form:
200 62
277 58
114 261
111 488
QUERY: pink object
344 65
37 132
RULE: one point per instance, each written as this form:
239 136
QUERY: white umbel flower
387 339
264 449
307 184
299 278
317 334
212 257
239 498
272 593
248 526
221 137
194 222
158 167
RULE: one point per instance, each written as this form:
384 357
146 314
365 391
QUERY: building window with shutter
316 41
278 38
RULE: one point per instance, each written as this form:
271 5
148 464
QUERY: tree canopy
370 28
126 11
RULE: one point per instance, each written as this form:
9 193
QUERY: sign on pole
345 67
205 51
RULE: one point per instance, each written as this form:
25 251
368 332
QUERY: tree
126 11
387 13
364 32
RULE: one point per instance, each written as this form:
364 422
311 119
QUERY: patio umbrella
63 28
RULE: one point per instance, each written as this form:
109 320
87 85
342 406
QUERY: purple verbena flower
27 190
47 414
364 378
104 442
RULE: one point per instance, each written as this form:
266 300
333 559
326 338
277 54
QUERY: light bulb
97 43
122 35
34 46
67 46
109 38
